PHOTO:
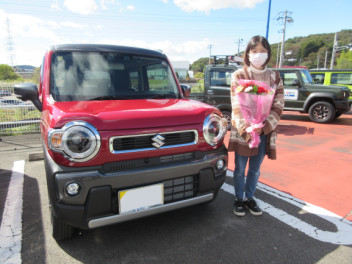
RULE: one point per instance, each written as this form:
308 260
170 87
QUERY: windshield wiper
106 97
163 96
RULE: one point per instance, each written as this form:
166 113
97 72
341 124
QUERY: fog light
73 189
220 164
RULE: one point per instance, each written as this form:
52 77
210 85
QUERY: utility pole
326 59
318 61
333 52
277 54
238 45
209 47
338 48
285 19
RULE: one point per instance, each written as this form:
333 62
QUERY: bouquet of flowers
254 99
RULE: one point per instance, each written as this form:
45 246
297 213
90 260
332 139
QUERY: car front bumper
187 181
342 106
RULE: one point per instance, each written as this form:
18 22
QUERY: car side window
159 79
341 78
220 78
289 78
318 78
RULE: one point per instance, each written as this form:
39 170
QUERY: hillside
302 51
305 51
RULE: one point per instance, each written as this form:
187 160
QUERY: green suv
323 103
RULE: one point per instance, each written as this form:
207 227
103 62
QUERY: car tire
227 116
322 112
60 230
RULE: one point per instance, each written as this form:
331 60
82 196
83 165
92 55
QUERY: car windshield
306 77
84 76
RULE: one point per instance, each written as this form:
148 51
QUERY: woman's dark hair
254 41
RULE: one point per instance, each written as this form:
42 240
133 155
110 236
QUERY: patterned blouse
239 137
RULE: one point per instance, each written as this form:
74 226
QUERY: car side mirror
186 89
28 91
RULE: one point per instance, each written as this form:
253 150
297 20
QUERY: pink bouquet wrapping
255 99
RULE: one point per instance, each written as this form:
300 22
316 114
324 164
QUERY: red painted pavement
314 162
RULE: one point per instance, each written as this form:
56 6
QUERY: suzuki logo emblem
158 141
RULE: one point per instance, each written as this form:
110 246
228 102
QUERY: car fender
322 96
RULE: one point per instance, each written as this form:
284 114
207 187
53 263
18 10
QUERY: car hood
326 87
129 114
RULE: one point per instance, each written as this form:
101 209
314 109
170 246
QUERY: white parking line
11 224
343 235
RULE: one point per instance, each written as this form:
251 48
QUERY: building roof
180 65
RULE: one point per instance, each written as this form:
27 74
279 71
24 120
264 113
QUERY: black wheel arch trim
311 99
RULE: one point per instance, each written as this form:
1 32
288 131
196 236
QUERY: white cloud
30 36
55 6
164 1
27 26
73 25
208 5
103 3
129 8
84 7
189 50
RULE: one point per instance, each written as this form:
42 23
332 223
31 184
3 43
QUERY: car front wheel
322 112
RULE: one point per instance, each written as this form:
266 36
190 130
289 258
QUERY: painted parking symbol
343 235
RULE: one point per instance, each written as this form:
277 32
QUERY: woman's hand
258 130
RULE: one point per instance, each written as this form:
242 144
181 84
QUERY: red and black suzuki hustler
121 141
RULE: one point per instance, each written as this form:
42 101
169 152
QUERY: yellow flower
239 89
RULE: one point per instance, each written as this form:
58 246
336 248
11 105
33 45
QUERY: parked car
334 77
5 93
217 81
120 139
12 102
323 103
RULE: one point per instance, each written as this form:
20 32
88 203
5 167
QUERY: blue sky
183 29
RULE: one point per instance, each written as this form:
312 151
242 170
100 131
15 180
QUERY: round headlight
214 129
78 141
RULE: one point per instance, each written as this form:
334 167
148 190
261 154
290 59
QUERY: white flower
248 89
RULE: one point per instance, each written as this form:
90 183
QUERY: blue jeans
248 185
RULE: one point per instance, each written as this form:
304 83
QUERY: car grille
174 190
136 143
147 162
180 188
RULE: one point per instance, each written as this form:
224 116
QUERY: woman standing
257 56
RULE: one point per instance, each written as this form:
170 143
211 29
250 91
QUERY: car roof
106 48
347 70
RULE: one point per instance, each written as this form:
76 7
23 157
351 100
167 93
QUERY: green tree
309 47
36 75
199 75
345 61
199 65
7 73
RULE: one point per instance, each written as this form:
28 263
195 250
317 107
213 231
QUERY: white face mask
258 59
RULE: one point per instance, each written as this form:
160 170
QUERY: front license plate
141 198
